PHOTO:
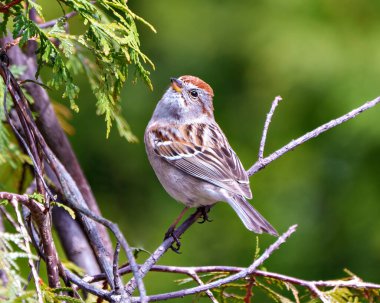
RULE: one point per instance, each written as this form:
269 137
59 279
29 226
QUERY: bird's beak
176 84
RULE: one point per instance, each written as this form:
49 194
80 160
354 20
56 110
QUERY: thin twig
8 216
196 278
249 292
266 126
6 7
26 239
116 275
16 41
87 286
260 164
53 22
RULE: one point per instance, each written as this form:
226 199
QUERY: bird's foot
176 245
204 217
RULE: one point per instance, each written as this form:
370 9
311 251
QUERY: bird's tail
250 216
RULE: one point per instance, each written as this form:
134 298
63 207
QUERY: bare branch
260 164
196 278
266 126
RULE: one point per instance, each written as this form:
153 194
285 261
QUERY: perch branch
202 288
245 272
260 164
158 253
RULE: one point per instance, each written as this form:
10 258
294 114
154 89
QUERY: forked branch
263 162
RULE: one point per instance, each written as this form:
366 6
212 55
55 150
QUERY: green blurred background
323 58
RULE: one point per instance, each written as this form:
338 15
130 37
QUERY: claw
177 243
169 233
204 216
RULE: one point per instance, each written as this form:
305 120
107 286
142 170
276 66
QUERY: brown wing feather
202 151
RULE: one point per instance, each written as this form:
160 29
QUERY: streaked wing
202 151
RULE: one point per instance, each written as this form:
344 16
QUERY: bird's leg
171 230
204 210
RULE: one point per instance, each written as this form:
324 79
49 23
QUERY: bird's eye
194 93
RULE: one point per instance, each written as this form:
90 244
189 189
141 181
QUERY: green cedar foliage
12 249
105 50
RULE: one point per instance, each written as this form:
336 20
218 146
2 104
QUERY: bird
191 156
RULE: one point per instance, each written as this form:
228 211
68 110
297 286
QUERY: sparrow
191 155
